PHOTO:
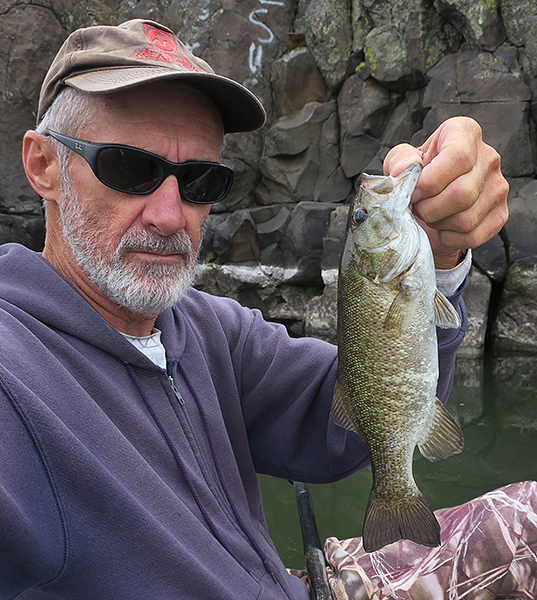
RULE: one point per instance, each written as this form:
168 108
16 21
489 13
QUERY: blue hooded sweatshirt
122 481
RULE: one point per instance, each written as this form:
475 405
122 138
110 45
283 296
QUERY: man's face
140 251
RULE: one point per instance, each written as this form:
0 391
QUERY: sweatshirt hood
31 285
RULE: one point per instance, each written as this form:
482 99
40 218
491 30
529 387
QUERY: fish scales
388 308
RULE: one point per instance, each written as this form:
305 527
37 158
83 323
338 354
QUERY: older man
136 411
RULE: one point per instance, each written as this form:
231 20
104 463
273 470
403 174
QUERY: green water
495 401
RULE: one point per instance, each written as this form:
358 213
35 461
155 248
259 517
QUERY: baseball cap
105 58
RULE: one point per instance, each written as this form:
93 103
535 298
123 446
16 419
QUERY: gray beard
145 289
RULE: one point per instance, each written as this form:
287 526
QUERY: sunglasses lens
134 171
205 184
128 170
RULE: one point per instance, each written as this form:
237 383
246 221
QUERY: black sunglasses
135 171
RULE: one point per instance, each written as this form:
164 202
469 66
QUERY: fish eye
360 216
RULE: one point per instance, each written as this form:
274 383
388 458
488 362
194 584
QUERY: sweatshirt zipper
180 461
176 392
185 421
205 469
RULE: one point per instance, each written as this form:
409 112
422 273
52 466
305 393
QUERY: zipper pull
176 391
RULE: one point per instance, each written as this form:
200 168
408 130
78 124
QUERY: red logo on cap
162 40
164 48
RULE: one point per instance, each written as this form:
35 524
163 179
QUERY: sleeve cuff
448 281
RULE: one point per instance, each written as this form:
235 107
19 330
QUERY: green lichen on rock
478 20
407 38
385 54
480 14
432 39
329 37
361 25
522 279
520 21
370 51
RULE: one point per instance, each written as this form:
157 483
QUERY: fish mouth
407 181
398 188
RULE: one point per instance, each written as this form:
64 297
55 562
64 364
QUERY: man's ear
41 165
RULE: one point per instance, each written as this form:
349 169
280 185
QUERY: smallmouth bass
388 308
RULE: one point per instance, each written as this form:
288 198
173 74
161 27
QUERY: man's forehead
171 96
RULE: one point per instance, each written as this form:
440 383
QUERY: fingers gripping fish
388 310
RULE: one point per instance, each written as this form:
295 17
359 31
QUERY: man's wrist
448 281
450 260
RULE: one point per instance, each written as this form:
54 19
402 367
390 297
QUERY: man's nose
164 210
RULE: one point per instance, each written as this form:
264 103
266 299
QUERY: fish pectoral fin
401 312
387 521
444 439
339 412
445 315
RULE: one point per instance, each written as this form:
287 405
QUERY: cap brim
240 108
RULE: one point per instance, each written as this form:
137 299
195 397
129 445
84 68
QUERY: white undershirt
151 346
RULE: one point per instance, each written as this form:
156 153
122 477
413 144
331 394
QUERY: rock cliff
343 81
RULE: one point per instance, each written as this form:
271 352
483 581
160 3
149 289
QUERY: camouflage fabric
488 550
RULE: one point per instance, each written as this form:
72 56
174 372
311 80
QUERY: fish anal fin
339 412
444 438
387 521
445 315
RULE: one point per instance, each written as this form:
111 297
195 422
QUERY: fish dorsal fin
339 412
444 438
402 310
445 315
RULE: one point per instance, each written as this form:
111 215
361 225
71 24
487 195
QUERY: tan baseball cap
104 59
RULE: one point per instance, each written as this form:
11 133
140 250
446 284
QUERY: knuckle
495 158
503 190
503 216
476 238
493 161
464 160
465 193
452 240
473 129
465 223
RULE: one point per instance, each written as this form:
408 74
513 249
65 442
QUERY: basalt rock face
343 81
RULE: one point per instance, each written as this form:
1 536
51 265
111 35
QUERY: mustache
145 241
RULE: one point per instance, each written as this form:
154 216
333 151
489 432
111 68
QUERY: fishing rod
313 550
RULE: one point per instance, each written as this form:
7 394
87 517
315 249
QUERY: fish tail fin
444 438
389 521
